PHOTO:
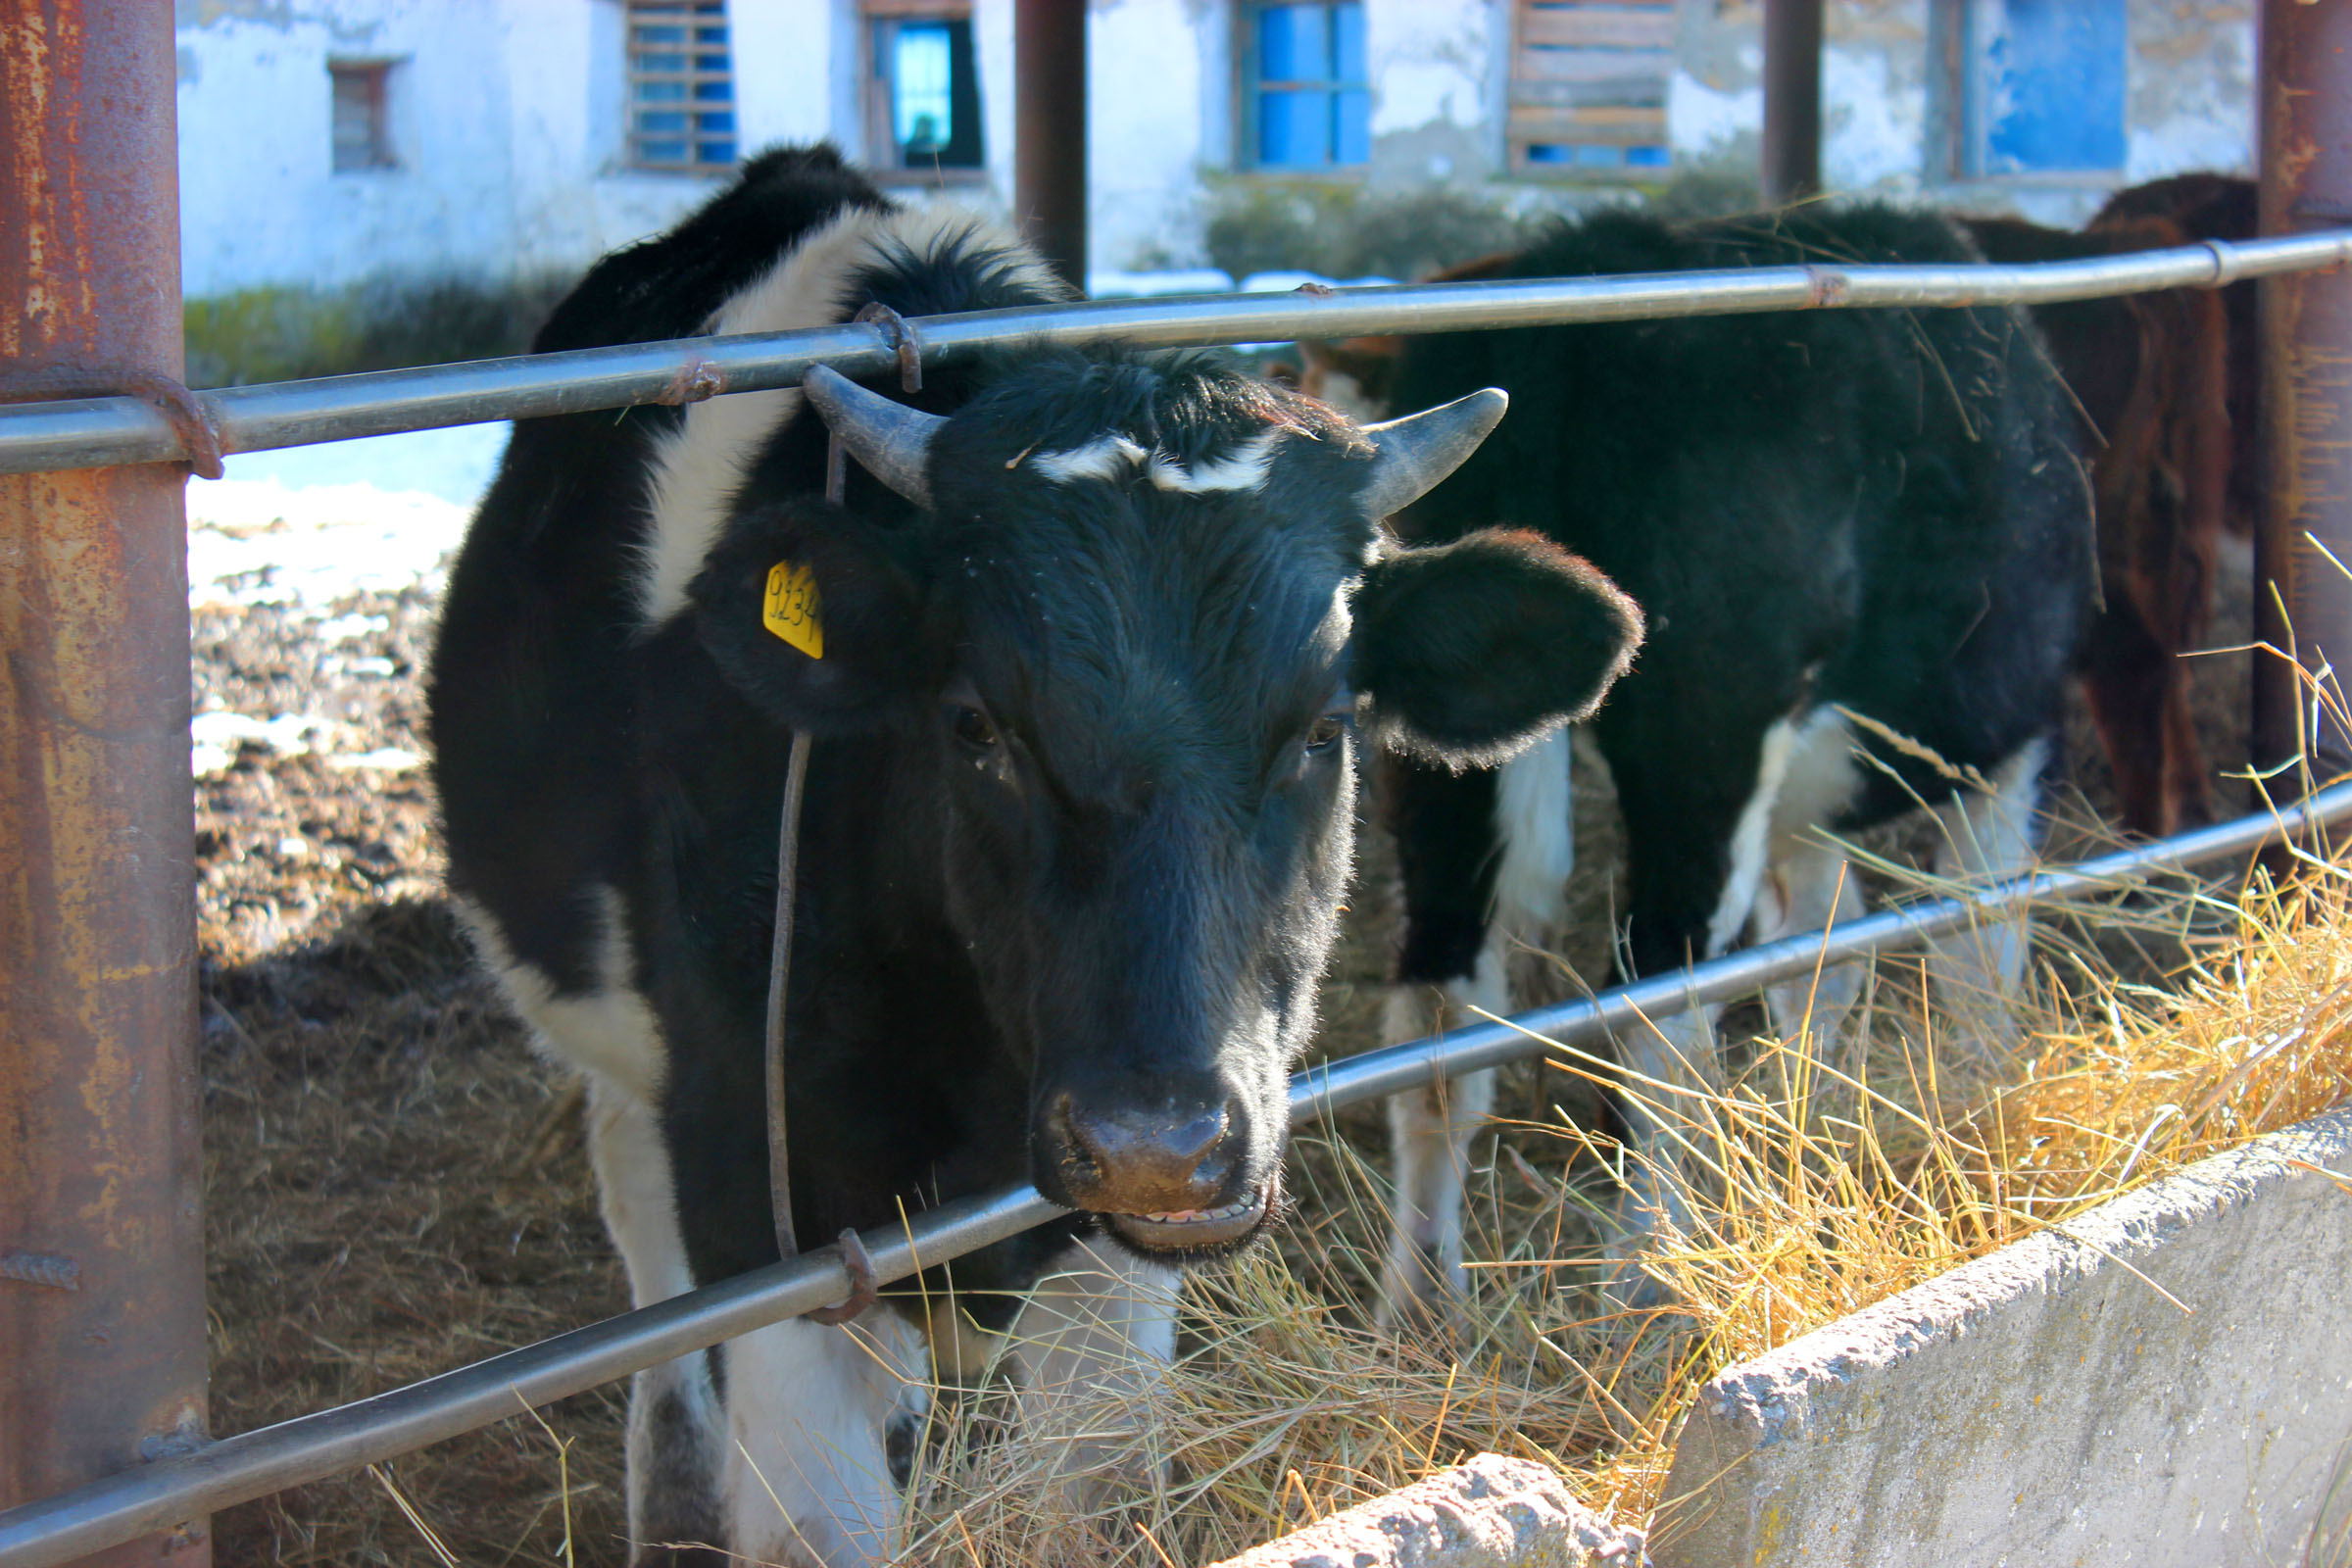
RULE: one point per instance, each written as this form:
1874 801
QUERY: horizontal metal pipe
257 1463
92 432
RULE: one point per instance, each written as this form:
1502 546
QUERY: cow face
1129 649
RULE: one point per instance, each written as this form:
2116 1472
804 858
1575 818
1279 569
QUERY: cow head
1141 619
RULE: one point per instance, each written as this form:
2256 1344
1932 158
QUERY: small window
1309 104
2045 93
681 86
362 118
1588 85
922 97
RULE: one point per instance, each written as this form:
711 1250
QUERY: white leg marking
611 1036
808 1416
1751 840
1672 1053
673 1436
1807 883
1536 823
1098 1331
1679 1052
610 1031
1429 1138
1988 838
1430 1129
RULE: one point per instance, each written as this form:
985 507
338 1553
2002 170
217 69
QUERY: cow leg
1516 837
1987 837
1429 1138
819 1423
1807 883
1090 1342
2134 687
673 1436
1698 856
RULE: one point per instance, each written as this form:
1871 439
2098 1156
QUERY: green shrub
1347 231
287 333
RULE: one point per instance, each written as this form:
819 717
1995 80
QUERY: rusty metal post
2306 129
1791 100
1048 143
102 1352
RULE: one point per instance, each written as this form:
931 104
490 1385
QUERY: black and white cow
1822 515
1096 632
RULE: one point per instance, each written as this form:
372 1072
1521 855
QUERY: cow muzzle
1172 1181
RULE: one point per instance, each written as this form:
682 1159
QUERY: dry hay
395 1188
1821 1191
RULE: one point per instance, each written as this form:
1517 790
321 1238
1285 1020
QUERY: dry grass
1822 1188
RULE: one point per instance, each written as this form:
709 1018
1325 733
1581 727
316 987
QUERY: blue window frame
2046 86
923 91
681 86
1308 104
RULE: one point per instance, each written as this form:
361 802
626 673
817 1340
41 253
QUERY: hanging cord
855 1258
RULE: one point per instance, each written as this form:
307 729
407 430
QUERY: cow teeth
1189 1216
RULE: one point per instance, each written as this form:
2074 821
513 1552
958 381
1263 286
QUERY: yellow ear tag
790 608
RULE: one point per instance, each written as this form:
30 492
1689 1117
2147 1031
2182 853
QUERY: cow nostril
1131 1163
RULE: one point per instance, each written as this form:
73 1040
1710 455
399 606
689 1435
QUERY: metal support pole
1049 139
2306 114
1791 100
102 1351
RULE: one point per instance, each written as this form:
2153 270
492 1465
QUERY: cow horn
889 439
1420 450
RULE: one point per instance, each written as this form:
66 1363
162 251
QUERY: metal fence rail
235 1470
118 430
95 432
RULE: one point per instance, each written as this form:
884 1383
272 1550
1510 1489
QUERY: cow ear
1467 652
810 613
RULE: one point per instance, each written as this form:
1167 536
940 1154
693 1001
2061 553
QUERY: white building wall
505 121
1436 109
1148 68
259 197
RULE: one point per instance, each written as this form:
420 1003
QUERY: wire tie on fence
864 1285
1827 286
41 1268
1314 290
189 415
2228 265
697 380
897 333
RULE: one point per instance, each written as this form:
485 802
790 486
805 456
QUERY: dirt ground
394 1185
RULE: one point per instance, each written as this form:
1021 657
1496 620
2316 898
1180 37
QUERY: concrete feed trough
2166 1379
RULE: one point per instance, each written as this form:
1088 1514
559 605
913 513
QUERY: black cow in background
1097 630
1862 539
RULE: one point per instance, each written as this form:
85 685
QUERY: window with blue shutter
1309 104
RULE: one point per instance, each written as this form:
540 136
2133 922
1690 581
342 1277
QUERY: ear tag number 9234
790 608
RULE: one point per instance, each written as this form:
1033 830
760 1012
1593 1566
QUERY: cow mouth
1187 1230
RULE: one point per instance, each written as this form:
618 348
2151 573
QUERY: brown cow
2168 383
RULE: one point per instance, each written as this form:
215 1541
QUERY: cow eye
1326 732
972 728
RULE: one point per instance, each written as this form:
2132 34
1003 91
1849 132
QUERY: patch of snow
1116 285
265 542
351 628
384 759
1278 283
215 738
455 464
